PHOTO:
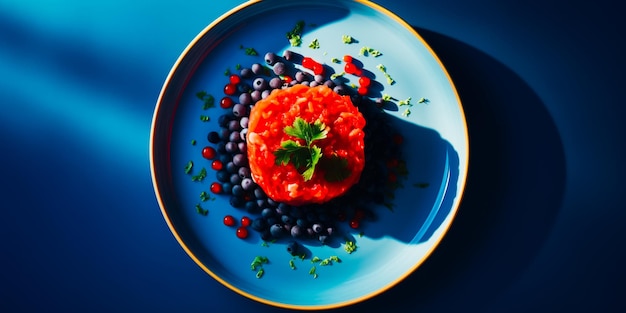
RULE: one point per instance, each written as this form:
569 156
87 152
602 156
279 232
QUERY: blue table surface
540 228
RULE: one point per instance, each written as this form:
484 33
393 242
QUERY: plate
424 107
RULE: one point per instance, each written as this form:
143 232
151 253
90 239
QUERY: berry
217 188
227 103
242 232
217 165
364 81
246 221
230 89
354 224
234 79
347 58
229 220
362 91
209 153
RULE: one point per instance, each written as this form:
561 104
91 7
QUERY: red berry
246 221
216 188
234 79
347 58
364 81
230 89
229 220
208 153
242 232
227 103
392 177
350 68
318 69
308 63
287 79
362 91
354 224
217 165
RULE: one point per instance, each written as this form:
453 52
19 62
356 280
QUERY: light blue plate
389 249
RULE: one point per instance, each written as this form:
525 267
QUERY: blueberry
237 202
259 193
243 149
296 231
292 247
247 183
222 176
231 168
259 224
235 136
251 206
240 160
239 110
259 83
246 72
244 172
277 230
213 137
245 98
271 58
237 191
323 239
276 83
267 212
243 122
257 68
231 147
317 228
234 125
236 180
280 68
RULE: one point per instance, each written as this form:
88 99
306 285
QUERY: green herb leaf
349 246
336 168
295 34
188 167
200 176
303 157
315 44
347 39
260 273
201 211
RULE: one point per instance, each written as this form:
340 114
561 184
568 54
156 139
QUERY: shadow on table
514 189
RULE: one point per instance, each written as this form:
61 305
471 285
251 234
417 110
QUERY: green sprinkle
407 112
315 44
200 176
227 72
205 118
390 80
201 94
260 273
407 101
347 39
335 60
423 100
188 167
337 75
200 210
350 246
387 97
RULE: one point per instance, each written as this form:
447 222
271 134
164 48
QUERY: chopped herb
258 262
334 258
365 51
260 273
421 185
315 44
193 142
407 112
423 100
200 175
390 80
347 39
264 244
205 196
238 66
188 167
201 94
387 97
227 72
306 157
312 271
295 35
325 262
209 102
292 264
350 246
315 259
361 234
407 101
205 118
337 75
335 60
251 51
200 210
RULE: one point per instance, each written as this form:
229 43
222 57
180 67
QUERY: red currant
392 178
318 69
347 58
350 68
217 165
208 153
246 221
354 224
364 81
230 89
227 103
234 79
229 220
242 232
217 188
362 91
287 79
308 62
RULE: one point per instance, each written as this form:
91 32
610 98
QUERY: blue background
540 228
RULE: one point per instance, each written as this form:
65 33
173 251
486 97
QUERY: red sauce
268 119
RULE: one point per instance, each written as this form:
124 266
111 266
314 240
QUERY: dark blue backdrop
540 228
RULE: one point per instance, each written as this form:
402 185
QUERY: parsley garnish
304 157
200 175
188 167
336 168
347 39
349 246
295 35
201 211
257 265
315 44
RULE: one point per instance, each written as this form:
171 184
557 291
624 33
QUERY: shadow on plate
514 190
